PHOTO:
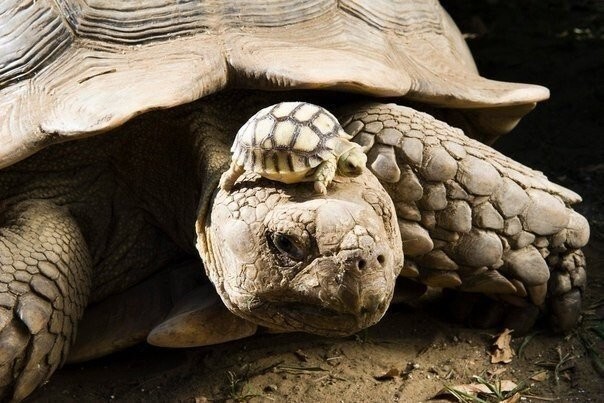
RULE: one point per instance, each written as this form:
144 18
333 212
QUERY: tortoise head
352 162
285 258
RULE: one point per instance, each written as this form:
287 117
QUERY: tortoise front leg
472 219
323 175
44 285
228 179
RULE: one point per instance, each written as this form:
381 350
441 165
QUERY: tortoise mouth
316 319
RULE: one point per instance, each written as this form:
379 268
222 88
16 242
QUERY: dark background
558 44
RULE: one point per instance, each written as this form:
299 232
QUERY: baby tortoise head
293 142
352 162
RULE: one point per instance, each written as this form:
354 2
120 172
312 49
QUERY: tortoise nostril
381 259
362 263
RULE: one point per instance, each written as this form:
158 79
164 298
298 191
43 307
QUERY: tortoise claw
320 188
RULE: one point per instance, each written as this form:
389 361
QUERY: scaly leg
474 220
228 179
44 285
323 175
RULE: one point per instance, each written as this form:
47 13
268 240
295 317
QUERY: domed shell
76 68
287 137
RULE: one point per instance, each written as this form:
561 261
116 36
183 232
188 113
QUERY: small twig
298 370
544 398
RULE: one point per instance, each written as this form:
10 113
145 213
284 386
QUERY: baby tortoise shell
293 142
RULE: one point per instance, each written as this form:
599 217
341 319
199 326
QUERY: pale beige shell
75 68
289 137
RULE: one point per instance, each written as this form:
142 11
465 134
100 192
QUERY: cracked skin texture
119 207
345 260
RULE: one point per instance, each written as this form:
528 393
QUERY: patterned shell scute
286 137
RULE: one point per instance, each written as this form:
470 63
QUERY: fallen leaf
474 389
501 350
391 374
506 385
515 398
540 376
503 339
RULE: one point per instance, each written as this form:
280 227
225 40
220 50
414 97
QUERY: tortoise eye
288 246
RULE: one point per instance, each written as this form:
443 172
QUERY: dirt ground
414 351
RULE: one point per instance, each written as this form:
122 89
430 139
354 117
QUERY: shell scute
324 123
304 112
283 110
307 140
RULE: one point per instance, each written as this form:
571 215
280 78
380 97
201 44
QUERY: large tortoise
120 223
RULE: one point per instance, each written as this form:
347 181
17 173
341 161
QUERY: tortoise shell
75 68
287 137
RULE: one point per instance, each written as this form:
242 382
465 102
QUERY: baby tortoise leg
44 286
473 220
228 179
323 175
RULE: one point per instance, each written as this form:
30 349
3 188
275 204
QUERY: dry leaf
540 376
506 385
501 350
474 389
513 399
391 374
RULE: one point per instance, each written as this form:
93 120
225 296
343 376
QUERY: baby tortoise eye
289 246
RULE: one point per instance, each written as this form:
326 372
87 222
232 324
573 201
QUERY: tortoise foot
565 288
44 284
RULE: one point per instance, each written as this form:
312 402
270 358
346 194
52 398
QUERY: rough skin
301 261
83 220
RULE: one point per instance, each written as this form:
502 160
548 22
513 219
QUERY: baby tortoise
293 142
